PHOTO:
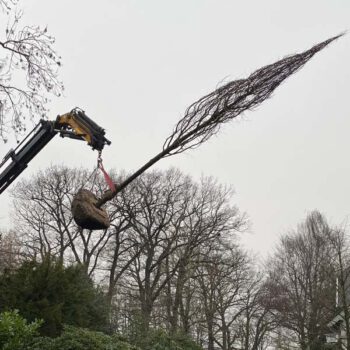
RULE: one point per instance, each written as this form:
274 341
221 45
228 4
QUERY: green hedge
73 338
17 334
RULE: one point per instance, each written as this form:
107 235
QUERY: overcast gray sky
134 66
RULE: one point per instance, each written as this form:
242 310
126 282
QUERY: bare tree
208 216
161 198
171 217
223 276
10 251
204 117
302 281
168 260
28 73
339 241
258 319
123 247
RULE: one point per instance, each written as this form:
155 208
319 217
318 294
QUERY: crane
74 124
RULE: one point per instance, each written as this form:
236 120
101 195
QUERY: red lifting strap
109 181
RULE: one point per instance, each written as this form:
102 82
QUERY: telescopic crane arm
75 124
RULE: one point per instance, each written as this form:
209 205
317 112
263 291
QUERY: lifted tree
204 117
202 120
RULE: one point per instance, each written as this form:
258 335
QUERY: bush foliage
15 332
73 338
54 293
72 313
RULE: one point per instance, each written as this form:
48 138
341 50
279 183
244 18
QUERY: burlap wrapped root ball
85 212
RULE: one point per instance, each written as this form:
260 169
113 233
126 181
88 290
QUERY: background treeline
169 267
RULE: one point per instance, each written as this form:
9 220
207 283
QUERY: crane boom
75 124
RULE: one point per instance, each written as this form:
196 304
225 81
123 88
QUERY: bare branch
32 63
7 5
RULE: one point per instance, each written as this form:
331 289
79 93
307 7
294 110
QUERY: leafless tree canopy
205 116
171 260
28 72
339 241
163 229
11 253
302 281
6 5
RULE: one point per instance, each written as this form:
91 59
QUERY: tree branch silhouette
204 117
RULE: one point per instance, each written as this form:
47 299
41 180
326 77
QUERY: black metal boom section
75 125
25 152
